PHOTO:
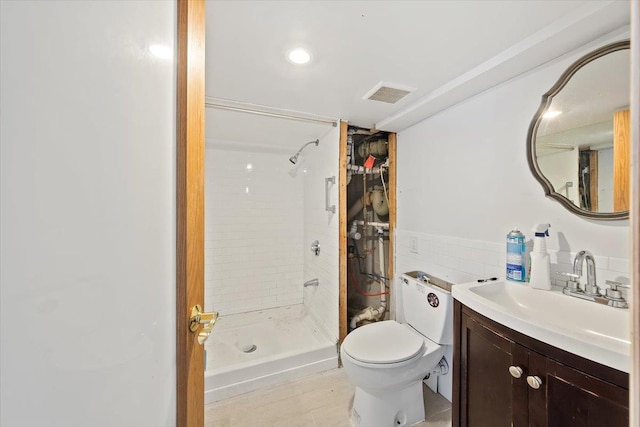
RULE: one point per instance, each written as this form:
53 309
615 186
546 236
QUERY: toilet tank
428 306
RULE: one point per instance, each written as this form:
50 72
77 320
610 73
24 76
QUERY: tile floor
319 400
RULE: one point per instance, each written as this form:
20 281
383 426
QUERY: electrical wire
377 276
357 286
384 186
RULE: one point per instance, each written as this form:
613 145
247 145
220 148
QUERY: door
492 396
190 211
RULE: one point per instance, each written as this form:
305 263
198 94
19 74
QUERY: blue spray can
515 256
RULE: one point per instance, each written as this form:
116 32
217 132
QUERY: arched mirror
578 145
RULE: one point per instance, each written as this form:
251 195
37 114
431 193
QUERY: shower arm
317 141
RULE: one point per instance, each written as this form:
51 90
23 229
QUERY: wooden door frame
189 209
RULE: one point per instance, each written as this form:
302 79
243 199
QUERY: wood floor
319 400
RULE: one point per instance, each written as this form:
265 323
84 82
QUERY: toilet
387 360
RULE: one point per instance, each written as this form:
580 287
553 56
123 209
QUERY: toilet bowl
387 360
388 383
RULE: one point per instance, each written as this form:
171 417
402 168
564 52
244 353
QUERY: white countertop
594 331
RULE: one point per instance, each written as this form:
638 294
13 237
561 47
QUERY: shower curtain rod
210 104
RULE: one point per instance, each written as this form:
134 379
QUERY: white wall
88 214
463 182
253 230
322 162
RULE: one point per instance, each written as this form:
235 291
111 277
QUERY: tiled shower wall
253 231
321 225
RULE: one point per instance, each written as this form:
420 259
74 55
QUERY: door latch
198 317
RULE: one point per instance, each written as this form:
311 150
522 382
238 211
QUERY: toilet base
399 408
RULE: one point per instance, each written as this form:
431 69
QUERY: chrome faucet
612 297
591 288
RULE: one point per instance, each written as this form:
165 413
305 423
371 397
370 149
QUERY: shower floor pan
248 351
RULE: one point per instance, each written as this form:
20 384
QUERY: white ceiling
448 50
592 95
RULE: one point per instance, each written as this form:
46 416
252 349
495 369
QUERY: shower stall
277 299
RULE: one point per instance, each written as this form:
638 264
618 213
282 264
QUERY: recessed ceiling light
299 56
551 114
161 51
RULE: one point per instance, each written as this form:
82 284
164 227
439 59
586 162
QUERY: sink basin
593 331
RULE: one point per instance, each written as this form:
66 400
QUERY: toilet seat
383 343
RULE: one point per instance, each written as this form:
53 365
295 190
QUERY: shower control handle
198 317
315 247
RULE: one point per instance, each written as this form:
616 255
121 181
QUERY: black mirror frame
533 128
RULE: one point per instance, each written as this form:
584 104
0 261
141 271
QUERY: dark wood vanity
504 378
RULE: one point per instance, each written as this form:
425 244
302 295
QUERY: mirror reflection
581 143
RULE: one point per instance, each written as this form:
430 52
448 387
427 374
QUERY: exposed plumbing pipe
358 170
375 198
350 158
294 159
442 368
383 297
366 245
384 225
371 313
368 313
353 233
355 209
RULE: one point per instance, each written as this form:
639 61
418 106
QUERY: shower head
294 159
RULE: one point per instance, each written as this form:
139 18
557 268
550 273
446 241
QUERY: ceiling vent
388 92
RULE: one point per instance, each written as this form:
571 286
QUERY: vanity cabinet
505 378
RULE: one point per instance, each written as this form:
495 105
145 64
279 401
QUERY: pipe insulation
376 198
373 148
378 201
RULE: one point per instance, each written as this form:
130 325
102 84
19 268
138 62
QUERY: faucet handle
614 295
571 282
615 285
571 276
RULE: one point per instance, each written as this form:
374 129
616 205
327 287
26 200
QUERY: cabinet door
490 395
568 397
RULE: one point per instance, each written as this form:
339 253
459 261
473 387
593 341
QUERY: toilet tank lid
383 342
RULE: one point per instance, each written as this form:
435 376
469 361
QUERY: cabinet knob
534 381
515 371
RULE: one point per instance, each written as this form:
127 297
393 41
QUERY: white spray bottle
540 276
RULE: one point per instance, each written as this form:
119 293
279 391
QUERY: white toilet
387 361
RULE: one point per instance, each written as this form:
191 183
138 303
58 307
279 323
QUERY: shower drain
249 348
